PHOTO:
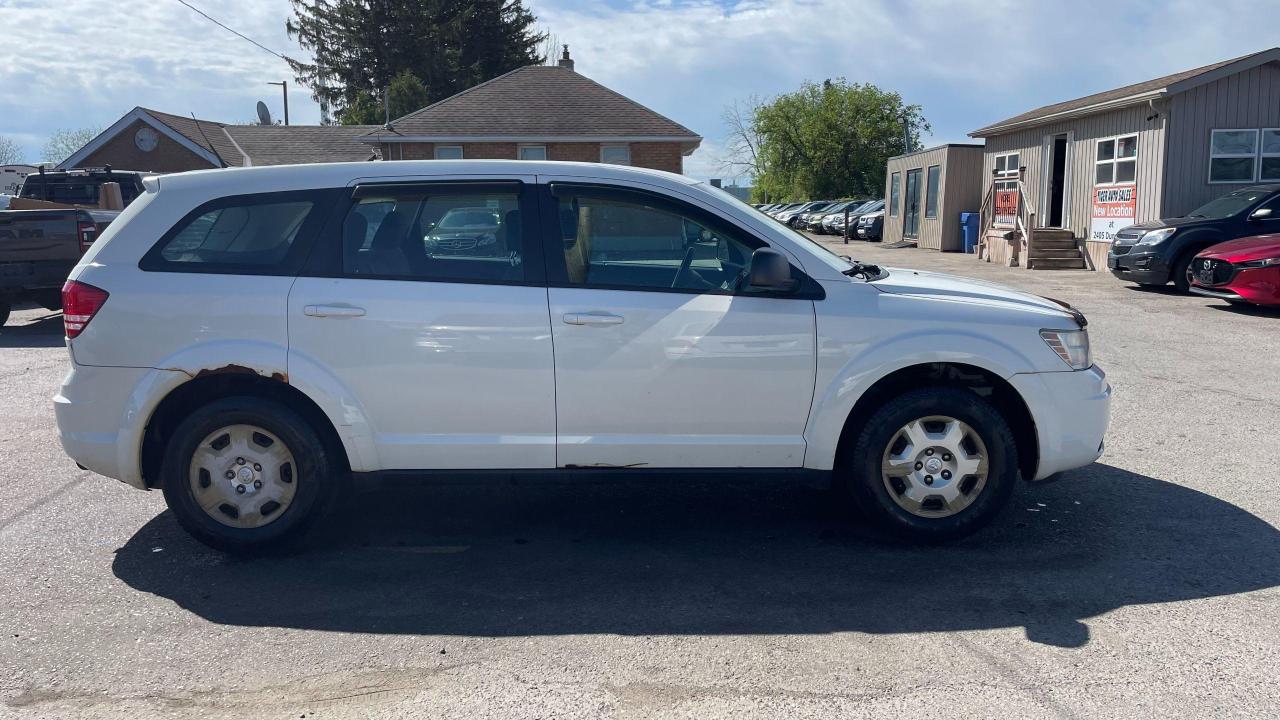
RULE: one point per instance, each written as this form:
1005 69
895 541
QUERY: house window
1233 156
1007 170
1270 168
615 154
931 191
894 181
1116 161
448 152
533 152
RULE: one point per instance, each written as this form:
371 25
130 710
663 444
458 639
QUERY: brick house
150 140
539 112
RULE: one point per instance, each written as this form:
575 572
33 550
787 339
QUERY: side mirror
770 272
1260 214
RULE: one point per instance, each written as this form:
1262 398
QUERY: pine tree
360 47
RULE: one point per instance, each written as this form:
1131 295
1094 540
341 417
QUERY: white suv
251 340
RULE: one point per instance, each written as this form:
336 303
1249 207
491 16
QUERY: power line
232 30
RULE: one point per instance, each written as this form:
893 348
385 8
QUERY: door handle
332 311
593 318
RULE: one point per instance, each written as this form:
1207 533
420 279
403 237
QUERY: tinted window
419 235
931 191
1228 205
629 243
255 234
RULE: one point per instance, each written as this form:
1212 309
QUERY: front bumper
1147 268
1071 411
1258 286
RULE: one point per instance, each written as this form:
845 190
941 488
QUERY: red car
1246 270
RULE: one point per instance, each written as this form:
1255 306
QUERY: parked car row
825 217
1228 248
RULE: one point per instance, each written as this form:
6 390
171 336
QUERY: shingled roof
536 102
1129 94
297 144
205 133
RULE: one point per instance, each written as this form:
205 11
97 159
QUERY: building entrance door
1056 181
911 211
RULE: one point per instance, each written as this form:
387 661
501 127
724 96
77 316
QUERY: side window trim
326 260
553 253
306 237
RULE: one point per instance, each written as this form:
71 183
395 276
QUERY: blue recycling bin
969 230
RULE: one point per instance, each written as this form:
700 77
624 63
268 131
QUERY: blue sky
78 63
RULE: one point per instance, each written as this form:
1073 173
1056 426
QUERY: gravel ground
1142 586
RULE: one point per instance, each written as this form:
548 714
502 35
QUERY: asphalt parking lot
1142 586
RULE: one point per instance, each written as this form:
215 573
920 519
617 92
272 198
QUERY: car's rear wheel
932 464
245 474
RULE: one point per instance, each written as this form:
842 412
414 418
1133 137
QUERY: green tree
405 94
10 152
359 47
62 143
831 140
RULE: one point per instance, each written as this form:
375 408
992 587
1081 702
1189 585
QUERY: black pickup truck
38 248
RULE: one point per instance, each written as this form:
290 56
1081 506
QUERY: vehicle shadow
707 557
1261 311
44 331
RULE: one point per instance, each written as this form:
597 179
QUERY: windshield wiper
865 271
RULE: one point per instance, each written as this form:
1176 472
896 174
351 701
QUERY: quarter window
1117 160
448 152
624 243
1233 155
421 235
931 191
615 154
251 234
895 180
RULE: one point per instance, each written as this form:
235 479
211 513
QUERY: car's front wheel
246 474
932 464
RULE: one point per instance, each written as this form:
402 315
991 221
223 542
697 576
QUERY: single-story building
535 112
1060 180
539 112
150 140
925 192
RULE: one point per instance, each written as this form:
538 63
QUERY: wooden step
1076 263
1060 253
1069 244
1053 234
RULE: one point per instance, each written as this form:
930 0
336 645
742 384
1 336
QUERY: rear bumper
102 413
1071 412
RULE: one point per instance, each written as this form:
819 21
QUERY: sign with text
1114 207
1006 207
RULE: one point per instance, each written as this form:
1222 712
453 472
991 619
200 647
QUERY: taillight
88 232
80 302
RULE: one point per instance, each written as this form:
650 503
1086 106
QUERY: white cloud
78 63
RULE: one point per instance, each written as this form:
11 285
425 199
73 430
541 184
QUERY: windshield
466 218
1228 205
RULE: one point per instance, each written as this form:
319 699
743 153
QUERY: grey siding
1082 153
1250 99
960 189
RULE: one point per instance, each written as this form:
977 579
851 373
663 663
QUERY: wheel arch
208 387
985 383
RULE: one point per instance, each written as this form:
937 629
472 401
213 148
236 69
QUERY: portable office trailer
926 191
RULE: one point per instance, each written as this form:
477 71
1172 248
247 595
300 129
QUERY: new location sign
1114 207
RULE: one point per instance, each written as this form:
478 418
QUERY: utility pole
284 88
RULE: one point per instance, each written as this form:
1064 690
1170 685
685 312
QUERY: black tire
1180 274
5 308
860 472
318 482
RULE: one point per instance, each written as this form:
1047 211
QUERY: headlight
1153 237
1264 262
1071 345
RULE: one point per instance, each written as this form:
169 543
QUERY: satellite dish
264 115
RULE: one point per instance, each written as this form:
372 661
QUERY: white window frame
1257 150
1005 173
521 148
1263 154
611 146
1115 160
436 152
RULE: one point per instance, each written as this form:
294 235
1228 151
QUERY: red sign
1006 207
1114 207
